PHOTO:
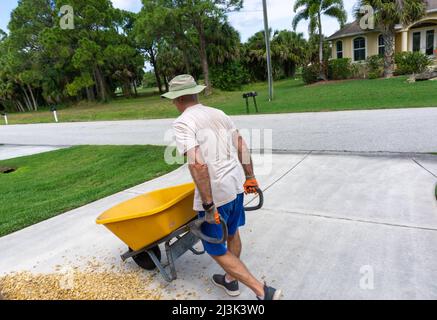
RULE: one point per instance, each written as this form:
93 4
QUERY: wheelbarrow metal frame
184 241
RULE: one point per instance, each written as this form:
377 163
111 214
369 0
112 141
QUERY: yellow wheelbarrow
162 216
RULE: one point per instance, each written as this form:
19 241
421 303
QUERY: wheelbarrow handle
196 225
196 229
260 203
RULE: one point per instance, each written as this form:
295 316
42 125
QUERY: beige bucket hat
183 85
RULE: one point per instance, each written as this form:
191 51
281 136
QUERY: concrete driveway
403 130
15 151
349 227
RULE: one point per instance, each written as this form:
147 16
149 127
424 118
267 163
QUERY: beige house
358 44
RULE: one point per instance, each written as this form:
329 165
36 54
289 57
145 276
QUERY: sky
247 21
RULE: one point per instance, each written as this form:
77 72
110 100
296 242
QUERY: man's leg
234 246
237 270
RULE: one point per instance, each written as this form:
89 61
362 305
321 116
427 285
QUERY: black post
256 106
247 105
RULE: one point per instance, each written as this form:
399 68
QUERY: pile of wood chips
78 285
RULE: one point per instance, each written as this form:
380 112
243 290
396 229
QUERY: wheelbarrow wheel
144 261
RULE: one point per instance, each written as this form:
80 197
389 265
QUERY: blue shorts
233 214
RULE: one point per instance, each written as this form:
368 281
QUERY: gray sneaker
230 288
271 293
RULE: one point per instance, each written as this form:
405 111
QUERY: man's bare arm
244 155
251 185
200 174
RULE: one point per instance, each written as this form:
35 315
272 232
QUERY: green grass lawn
290 96
51 183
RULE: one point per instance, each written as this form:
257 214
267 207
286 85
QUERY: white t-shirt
212 130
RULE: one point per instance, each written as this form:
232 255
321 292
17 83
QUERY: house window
416 41
339 49
359 49
381 45
430 42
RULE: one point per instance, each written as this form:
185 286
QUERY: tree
28 21
129 66
312 51
288 51
3 35
161 26
223 42
198 13
387 15
170 61
152 24
40 63
195 33
312 11
94 31
255 56
102 50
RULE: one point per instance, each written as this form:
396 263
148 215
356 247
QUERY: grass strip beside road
48 184
291 96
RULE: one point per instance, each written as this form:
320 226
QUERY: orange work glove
212 215
250 186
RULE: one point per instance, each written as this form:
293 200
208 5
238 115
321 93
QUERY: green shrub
359 70
298 72
311 73
411 62
149 80
229 76
339 69
375 66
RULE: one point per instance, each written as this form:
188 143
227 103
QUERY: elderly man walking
222 169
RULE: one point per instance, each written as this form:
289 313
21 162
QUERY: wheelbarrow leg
170 259
161 268
178 248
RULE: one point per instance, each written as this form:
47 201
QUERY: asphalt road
399 130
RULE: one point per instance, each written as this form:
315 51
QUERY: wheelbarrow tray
148 218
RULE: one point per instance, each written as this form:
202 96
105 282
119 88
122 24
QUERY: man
222 169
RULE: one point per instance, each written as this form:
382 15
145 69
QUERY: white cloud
130 5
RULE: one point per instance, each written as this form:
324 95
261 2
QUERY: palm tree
169 60
312 11
255 56
288 50
387 15
224 42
